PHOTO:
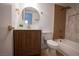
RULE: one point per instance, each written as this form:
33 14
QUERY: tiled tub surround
68 47
72 24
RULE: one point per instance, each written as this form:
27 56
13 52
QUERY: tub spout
60 40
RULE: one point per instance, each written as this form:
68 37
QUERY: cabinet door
59 22
36 42
19 37
27 42
32 43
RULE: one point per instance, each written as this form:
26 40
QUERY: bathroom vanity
27 42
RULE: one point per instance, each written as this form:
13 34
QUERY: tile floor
48 52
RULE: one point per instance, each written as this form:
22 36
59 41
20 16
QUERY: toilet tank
47 36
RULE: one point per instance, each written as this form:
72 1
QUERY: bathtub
68 47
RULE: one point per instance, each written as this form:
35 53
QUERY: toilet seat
52 44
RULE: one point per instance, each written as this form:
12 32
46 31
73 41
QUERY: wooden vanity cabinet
27 42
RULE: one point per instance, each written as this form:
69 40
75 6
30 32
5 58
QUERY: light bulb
26 21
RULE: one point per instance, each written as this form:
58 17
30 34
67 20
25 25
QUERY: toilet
48 39
51 45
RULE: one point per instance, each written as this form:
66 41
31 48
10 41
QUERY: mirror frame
30 9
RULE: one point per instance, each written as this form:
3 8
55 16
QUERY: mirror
30 15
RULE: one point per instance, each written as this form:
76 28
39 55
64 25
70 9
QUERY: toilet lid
51 42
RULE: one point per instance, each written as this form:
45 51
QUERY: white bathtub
68 48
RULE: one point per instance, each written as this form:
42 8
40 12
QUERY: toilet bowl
52 44
49 41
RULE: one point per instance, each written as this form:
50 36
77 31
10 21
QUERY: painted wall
72 23
46 18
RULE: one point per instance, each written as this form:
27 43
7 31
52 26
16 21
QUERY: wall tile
72 25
